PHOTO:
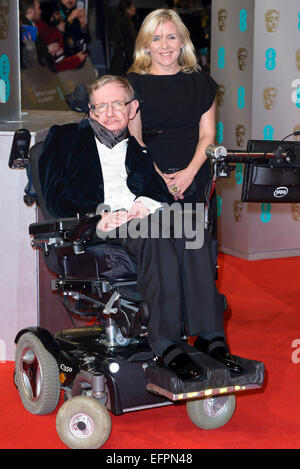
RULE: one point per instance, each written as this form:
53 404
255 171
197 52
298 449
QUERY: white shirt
116 192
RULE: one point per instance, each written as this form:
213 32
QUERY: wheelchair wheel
212 412
82 422
36 376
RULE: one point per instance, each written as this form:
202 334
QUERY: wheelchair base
97 377
135 381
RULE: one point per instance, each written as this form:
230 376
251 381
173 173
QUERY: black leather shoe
218 349
174 359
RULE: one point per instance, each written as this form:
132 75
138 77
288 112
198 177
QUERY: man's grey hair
112 79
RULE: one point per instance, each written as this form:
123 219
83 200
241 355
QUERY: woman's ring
174 189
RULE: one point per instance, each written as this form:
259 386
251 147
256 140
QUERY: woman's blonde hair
142 61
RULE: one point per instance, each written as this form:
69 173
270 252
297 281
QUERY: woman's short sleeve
208 90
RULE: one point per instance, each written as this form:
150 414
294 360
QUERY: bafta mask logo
4 18
295 209
238 210
220 95
297 129
240 132
297 58
242 58
272 20
270 98
222 19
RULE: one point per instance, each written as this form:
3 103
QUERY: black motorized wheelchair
106 365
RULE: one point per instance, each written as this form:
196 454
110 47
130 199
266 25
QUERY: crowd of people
56 36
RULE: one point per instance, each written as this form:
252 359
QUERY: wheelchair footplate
217 379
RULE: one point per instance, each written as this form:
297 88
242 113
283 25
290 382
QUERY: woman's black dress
171 109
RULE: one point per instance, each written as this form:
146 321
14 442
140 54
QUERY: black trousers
178 285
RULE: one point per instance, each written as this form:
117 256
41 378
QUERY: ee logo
268 132
239 173
243 20
298 97
221 57
296 93
220 129
270 59
241 97
219 205
4 78
265 213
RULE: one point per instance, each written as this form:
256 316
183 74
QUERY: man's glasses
115 105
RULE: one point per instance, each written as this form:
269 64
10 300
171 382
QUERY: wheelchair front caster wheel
211 412
82 422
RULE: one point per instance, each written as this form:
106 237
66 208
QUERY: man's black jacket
71 176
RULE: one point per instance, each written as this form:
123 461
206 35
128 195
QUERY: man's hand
138 210
111 220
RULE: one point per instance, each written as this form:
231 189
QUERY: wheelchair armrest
57 225
67 235
72 229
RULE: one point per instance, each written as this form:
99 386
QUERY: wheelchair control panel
85 228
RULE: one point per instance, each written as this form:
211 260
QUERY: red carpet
263 322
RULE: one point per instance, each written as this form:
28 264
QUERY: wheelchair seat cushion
104 260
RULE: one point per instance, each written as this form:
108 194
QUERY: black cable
297 132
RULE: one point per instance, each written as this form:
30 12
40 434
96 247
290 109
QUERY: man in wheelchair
96 162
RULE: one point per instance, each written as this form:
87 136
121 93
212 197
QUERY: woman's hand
179 181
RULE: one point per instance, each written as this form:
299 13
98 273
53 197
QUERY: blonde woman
177 112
